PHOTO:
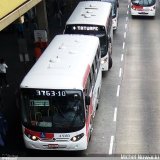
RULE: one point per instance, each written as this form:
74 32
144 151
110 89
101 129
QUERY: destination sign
85 28
51 93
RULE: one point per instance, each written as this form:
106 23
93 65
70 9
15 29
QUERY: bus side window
92 75
97 60
95 68
87 91
88 86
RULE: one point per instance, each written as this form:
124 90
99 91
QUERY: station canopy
7 6
10 10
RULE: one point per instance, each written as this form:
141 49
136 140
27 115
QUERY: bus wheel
97 106
90 136
133 16
110 63
98 99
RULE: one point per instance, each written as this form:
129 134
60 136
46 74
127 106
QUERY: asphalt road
138 118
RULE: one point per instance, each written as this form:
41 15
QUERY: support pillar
42 16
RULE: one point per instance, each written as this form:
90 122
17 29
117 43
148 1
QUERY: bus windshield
143 2
53 110
98 31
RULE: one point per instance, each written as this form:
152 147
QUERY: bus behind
94 18
143 8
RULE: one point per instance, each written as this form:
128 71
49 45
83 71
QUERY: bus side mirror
109 39
87 100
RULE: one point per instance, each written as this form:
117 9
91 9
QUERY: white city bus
115 6
94 18
143 8
60 94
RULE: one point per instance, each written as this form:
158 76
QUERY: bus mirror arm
109 39
87 100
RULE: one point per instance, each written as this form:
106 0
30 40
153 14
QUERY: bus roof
64 64
91 13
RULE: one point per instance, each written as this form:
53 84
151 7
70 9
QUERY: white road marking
122 57
111 145
123 45
115 115
118 90
126 18
126 26
124 35
120 72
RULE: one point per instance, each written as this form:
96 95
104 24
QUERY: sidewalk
17 69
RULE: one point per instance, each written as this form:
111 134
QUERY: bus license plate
50 146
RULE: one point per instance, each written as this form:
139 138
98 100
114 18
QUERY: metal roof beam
7 20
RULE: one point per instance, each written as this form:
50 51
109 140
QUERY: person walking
37 52
57 12
3 68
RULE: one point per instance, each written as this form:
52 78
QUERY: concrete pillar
42 16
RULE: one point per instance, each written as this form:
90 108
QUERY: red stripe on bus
86 75
88 120
137 7
39 134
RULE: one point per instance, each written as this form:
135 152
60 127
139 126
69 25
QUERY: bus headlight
104 61
77 138
33 138
30 135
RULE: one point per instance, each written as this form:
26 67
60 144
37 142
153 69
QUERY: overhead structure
10 11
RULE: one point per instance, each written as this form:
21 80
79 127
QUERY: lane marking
122 57
123 45
126 18
120 72
124 35
128 6
115 115
118 90
127 12
111 145
126 26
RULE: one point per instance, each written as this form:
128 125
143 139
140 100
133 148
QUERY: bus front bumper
142 13
66 146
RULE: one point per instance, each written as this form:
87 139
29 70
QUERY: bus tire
90 135
98 99
110 63
133 16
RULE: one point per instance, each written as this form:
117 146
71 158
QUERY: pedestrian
59 17
37 52
57 12
1 101
3 130
20 30
3 68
